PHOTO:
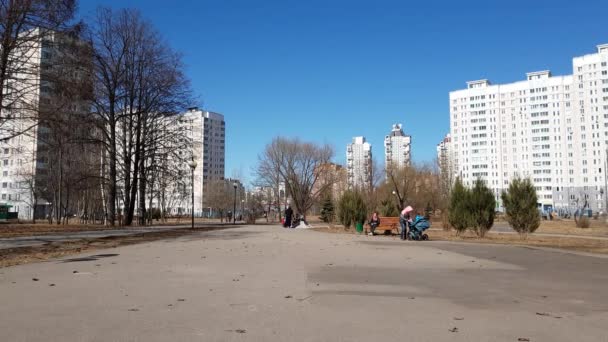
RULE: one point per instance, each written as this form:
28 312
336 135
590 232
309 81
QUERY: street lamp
398 200
242 207
234 208
192 165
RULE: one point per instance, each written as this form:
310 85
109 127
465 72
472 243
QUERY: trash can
359 227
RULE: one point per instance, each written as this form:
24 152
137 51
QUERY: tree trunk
102 185
113 192
142 193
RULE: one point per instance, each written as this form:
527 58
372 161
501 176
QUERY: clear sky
328 70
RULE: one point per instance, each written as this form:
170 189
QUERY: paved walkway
264 283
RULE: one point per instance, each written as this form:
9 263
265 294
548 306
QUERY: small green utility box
4 212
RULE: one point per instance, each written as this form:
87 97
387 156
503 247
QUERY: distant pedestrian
288 216
405 219
374 222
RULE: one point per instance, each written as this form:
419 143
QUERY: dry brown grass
598 227
28 229
557 226
23 255
570 243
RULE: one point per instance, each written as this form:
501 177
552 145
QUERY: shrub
351 209
520 206
583 222
327 209
428 211
459 216
154 214
482 207
388 208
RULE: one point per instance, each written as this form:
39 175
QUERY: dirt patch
29 229
14 230
23 255
597 228
569 243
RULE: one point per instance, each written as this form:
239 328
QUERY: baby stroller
418 227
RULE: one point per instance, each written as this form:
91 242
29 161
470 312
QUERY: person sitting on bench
374 222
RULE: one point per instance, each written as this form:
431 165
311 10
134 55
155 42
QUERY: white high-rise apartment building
205 132
359 163
552 129
28 95
444 154
397 148
214 148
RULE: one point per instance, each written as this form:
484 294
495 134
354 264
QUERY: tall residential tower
552 129
359 163
397 148
206 133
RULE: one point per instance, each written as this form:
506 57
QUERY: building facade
29 100
214 149
397 148
552 129
204 137
359 163
445 161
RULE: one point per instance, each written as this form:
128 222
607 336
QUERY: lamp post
606 184
242 207
234 208
398 200
192 165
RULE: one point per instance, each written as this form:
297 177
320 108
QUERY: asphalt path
265 283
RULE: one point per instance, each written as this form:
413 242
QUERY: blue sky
328 70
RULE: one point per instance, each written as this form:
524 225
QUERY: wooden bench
387 224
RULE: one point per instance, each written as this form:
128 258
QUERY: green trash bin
359 227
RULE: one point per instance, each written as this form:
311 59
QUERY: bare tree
268 175
220 197
402 183
27 190
25 26
298 164
138 82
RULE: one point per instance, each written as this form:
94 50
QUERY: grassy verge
23 255
568 243
29 229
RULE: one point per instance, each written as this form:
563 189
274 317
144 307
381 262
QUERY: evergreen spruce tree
482 208
388 208
458 211
519 202
428 211
351 209
327 209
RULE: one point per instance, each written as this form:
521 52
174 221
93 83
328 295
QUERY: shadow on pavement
221 235
90 258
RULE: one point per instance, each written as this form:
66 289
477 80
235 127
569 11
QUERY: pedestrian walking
288 216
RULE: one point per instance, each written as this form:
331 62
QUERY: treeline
309 178
105 122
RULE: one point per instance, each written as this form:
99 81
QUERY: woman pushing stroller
417 225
